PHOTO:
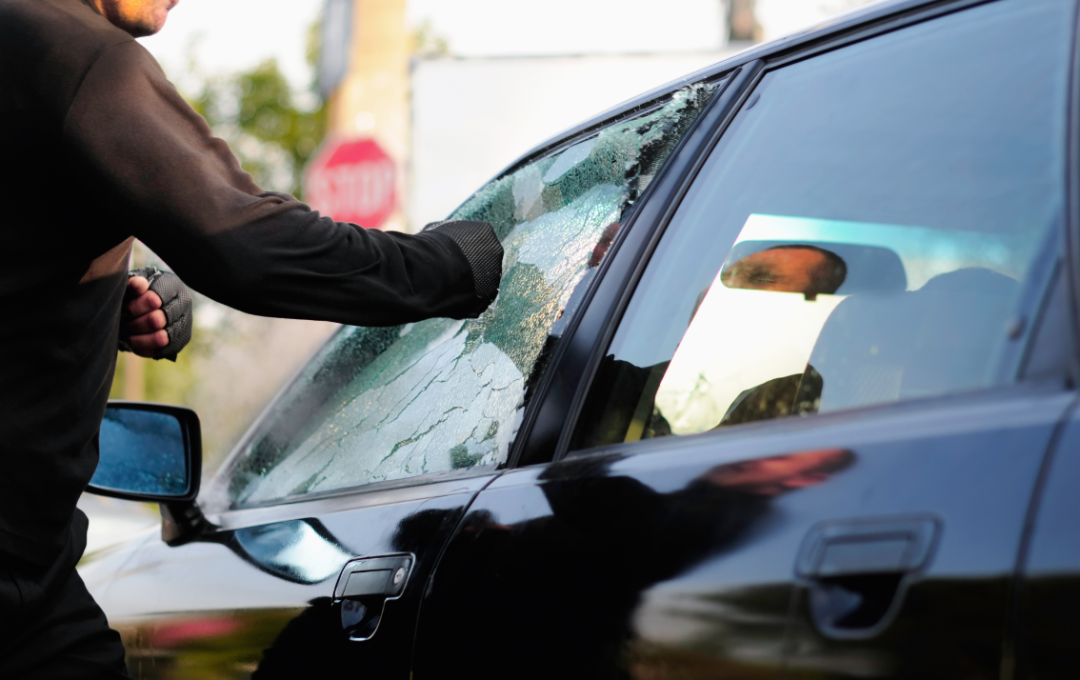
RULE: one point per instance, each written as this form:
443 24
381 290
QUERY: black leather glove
482 249
176 303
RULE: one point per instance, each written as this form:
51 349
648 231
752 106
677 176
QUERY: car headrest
879 348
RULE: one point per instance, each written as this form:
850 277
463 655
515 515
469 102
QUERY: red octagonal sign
352 181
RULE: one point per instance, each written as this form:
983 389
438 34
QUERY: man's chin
141 29
142 26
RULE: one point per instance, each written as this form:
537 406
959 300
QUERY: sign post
353 181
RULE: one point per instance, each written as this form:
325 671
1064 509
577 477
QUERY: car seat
884 347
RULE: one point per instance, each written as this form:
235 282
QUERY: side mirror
148 452
153 453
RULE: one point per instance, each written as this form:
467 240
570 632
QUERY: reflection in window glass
860 235
380 404
787 276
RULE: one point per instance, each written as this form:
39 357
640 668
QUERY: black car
781 381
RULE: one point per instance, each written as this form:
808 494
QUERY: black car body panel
681 559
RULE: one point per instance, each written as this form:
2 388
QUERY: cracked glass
381 404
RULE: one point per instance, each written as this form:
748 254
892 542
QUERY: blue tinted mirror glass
142 452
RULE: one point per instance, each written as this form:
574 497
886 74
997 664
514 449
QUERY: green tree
268 126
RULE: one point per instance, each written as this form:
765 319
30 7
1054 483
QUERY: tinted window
859 236
386 403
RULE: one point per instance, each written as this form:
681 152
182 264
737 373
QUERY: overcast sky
230 35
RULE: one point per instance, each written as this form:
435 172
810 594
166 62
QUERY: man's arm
158 171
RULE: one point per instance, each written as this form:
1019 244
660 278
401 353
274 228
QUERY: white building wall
783 17
473 117
486 28
475 113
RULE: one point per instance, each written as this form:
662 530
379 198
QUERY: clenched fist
156 318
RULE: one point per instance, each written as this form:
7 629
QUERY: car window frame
534 443
1062 249
1070 238
216 488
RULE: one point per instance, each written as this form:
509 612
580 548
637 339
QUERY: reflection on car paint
297 550
198 611
215 645
618 542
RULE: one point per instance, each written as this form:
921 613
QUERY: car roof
868 14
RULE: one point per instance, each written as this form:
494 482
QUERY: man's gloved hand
156 318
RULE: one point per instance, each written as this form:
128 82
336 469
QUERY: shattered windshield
380 404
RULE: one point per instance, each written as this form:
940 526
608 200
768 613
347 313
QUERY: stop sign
352 181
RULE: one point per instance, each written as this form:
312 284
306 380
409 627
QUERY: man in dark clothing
98 148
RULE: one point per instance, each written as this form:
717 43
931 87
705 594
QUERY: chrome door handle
373 577
363 588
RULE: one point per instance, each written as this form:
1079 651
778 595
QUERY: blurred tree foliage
162 381
427 43
273 130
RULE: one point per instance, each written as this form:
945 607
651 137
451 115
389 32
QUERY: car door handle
363 588
373 577
857 570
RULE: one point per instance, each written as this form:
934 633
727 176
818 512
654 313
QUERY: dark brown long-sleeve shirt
97 147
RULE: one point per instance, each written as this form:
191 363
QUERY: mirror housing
153 453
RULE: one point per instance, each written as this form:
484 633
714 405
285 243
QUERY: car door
808 445
328 517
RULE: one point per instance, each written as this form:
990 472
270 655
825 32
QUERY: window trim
1071 233
784 55
559 392
936 407
874 28
409 489
1036 298
543 418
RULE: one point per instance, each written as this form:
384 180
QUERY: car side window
859 236
379 404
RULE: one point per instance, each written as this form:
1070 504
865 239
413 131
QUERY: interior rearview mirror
813 268
148 452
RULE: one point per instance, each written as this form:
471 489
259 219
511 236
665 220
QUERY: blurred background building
390 113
